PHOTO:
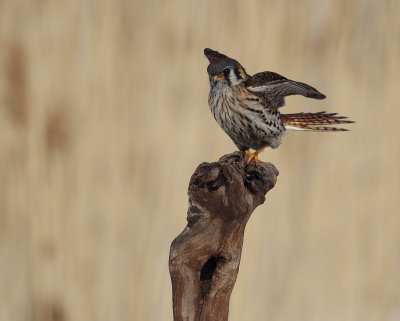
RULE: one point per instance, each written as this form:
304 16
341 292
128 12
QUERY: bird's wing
273 88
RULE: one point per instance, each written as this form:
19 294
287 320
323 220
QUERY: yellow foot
251 156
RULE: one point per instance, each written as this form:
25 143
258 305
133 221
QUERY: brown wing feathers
263 78
269 83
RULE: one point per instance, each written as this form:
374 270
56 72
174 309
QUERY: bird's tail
312 121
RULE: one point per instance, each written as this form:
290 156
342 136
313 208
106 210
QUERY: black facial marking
237 73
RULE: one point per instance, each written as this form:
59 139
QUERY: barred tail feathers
311 121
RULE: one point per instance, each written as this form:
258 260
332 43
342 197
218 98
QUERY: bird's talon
251 156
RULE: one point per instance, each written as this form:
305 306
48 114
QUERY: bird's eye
226 72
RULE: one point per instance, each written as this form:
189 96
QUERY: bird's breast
243 117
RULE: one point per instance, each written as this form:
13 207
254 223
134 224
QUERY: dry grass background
104 117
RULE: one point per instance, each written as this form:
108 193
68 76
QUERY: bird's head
224 69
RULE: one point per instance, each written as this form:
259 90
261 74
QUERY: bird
247 107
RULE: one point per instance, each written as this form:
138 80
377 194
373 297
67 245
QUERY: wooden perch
204 259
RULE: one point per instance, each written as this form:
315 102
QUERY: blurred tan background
104 117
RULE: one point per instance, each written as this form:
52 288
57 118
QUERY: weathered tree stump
204 259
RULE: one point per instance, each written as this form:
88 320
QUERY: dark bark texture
204 259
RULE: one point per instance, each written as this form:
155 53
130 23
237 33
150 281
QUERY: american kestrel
247 107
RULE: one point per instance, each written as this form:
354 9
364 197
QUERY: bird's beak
218 77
